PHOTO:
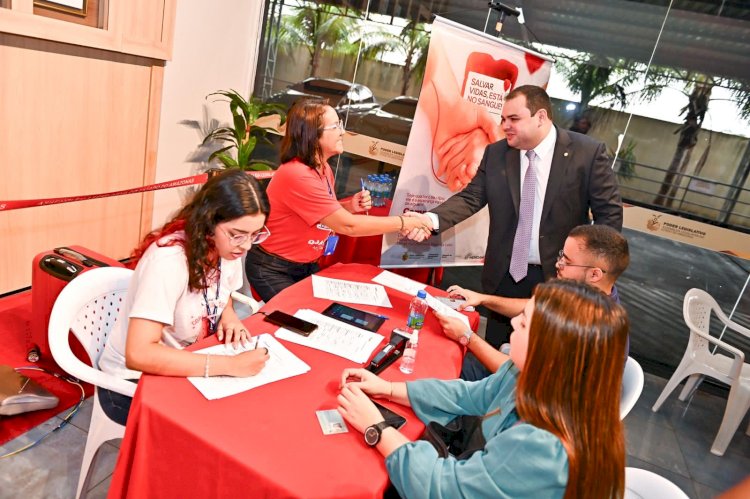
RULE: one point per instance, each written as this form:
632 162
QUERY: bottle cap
422 294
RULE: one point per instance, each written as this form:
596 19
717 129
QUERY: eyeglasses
255 238
562 263
339 124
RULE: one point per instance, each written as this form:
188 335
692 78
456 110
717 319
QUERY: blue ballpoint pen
362 183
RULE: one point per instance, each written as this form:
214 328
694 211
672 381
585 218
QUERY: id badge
330 246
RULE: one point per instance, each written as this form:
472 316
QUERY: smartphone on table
290 322
392 418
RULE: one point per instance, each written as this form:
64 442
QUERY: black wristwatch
372 433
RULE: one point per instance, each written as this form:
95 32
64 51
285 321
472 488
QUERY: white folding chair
643 484
632 386
698 360
88 306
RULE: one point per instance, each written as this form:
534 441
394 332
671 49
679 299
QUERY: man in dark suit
570 174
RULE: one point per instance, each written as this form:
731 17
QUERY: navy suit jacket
580 179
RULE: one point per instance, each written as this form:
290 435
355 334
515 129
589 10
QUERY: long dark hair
571 382
227 196
303 131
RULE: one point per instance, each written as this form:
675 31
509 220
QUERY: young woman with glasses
180 290
550 422
305 214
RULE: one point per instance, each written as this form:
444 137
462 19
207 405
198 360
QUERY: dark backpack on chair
460 438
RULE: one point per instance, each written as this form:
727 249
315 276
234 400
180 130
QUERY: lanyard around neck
324 175
211 316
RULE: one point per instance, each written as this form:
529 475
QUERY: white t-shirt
159 292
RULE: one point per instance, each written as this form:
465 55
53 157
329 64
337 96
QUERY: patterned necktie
519 261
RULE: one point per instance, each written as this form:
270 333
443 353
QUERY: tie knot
531 154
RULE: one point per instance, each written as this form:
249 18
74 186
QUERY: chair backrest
696 310
88 306
643 484
632 386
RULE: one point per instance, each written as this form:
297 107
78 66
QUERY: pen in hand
362 183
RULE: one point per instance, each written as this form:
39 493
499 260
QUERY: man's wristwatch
466 338
372 433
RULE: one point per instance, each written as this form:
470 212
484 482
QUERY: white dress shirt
544 151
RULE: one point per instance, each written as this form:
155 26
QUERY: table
267 442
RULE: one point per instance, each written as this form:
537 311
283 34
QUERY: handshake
417 226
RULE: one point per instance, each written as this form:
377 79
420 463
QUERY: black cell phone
392 418
355 317
291 322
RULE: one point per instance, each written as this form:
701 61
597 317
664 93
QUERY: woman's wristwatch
466 338
372 433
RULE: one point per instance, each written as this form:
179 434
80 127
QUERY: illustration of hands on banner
467 78
464 121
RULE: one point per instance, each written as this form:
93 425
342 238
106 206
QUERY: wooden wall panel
147 25
75 121
137 27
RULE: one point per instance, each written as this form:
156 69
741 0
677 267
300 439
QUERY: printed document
444 309
399 282
281 364
334 337
350 291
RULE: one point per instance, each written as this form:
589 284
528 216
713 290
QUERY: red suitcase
51 272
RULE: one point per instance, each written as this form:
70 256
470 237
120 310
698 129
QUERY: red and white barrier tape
194 180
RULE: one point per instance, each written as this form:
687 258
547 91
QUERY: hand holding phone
291 322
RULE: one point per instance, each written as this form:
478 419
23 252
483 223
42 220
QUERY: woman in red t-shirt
304 210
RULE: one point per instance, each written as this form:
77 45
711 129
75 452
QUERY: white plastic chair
700 360
632 386
245 305
88 306
643 484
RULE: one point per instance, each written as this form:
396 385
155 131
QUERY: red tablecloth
367 249
267 442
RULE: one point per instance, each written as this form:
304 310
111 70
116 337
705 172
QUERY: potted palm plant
242 136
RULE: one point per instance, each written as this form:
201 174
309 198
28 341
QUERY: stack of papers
281 364
444 309
334 337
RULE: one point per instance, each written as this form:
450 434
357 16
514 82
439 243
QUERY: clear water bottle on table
414 324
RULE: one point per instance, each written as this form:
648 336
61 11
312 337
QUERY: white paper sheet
399 282
444 309
281 364
334 337
350 291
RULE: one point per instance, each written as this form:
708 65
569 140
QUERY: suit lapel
560 161
513 172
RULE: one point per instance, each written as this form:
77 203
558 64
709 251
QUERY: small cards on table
331 422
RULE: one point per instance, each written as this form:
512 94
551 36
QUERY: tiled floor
673 443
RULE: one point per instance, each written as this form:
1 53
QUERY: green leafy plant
626 161
243 135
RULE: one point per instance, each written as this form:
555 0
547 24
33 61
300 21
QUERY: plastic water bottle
388 188
383 189
417 309
409 358
414 324
378 188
